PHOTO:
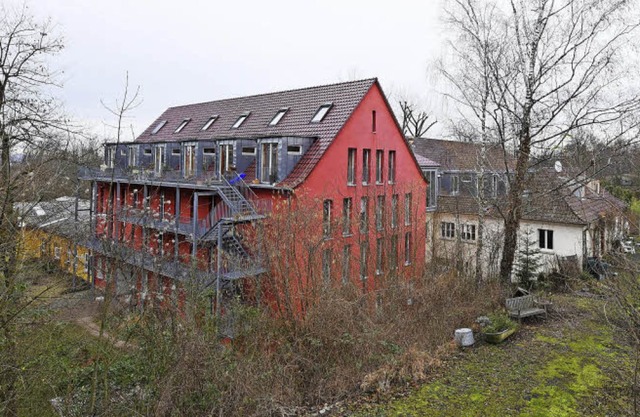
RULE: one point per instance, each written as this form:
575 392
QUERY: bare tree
415 122
29 116
538 72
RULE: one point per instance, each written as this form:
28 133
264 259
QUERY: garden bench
525 306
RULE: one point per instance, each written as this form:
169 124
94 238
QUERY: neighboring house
56 230
568 216
192 186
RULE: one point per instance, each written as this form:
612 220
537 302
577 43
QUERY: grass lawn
573 364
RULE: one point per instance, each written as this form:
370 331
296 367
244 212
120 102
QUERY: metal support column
218 272
177 219
195 224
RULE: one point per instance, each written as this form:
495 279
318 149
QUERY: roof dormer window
159 126
321 113
240 120
209 122
279 115
182 125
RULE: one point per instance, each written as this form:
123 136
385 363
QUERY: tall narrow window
379 252
269 166
373 121
110 156
226 158
379 162
392 167
366 166
364 214
455 185
351 166
407 209
494 186
380 212
326 265
346 216
394 211
133 155
189 160
407 248
327 206
363 260
431 189
346 263
158 159
393 252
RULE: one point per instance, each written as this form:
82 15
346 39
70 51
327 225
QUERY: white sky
188 51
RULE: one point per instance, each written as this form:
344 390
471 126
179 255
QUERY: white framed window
321 113
209 151
447 230
379 255
278 116
468 232
407 208
110 156
159 126
327 207
346 216
147 151
85 261
379 162
189 159
133 155
366 166
209 122
407 248
431 190
545 239
392 167
158 159
351 166
294 150
455 185
123 152
346 263
380 212
326 265
364 214
176 151
240 120
248 151
182 125
57 252
226 158
269 163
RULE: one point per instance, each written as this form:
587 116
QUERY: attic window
182 125
279 115
147 151
321 113
175 151
210 122
158 127
209 151
248 150
240 120
294 150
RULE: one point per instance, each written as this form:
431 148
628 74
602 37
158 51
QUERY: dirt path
573 364
90 326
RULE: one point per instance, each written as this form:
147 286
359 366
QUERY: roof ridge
371 80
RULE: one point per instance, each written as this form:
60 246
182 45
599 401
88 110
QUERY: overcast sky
188 51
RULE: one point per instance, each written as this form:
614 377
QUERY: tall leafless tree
535 72
28 116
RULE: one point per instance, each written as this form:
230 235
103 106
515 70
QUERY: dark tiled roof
425 162
460 156
302 105
57 217
551 199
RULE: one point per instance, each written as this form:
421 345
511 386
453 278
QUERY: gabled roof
461 156
56 216
302 105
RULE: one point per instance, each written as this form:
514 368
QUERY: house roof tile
462 156
302 105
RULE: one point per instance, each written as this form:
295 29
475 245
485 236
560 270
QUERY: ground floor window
545 239
447 230
468 232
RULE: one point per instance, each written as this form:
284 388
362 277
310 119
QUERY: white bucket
464 337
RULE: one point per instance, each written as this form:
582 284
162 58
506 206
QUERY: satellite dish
558 166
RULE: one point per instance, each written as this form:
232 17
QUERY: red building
182 202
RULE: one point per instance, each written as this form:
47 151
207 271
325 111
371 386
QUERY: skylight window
321 113
182 125
276 119
209 122
158 127
240 120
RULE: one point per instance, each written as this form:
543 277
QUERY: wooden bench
525 306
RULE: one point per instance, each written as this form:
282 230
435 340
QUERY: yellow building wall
37 243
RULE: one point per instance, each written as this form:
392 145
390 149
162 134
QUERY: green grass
550 369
